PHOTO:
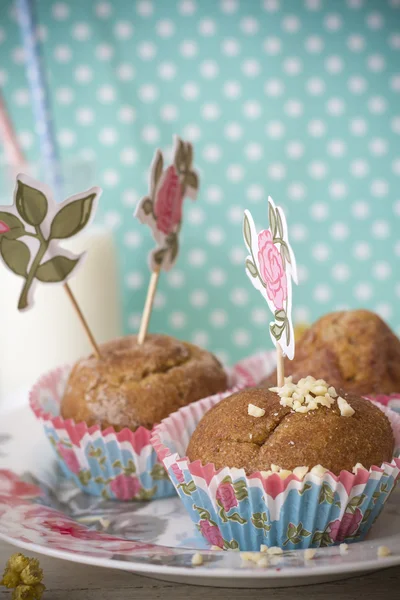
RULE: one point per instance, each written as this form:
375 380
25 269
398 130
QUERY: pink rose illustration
168 201
211 533
177 471
4 228
125 487
226 496
11 485
69 457
271 267
339 530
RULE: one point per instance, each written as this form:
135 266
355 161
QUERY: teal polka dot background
296 99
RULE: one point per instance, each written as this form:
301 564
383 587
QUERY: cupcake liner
234 510
115 465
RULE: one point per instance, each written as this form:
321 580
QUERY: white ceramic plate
155 539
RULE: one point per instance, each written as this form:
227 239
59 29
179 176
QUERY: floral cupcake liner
233 510
115 465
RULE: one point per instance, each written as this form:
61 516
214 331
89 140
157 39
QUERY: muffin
230 436
133 386
354 350
296 467
100 414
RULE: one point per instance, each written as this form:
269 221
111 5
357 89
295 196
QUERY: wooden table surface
71 581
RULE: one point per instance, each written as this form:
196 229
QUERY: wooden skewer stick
82 319
148 307
280 369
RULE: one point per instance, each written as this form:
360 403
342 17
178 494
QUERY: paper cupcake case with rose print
115 465
233 510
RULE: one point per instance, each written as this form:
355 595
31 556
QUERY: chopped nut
255 411
263 548
263 562
332 392
384 551
265 473
319 470
345 408
197 559
343 549
309 554
319 390
300 472
274 550
275 468
284 473
250 556
216 548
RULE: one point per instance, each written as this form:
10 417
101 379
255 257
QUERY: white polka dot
239 296
21 97
380 229
319 211
395 124
18 55
165 28
148 92
106 94
232 89
123 30
374 20
355 4
363 291
254 151
341 272
134 280
379 188
315 86
292 65
384 310
134 321
335 107
192 132
241 337
291 23
295 149
127 114
356 43
296 191
396 166
340 231
233 131
103 10
255 193
336 148
275 130
85 116
359 168
235 173
333 22
301 314
199 298
317 169
212 153
322 292
217 277
321 252
190 90
81 32
207 27
334 65
377 105
60 11
65 95
110 177
229 6
188 48
251 67
177 319
214 194
210 111
66 138
144 8
215 236
132 239
176 279
196 257
62 53
235 214
360 209
25 139
3 77
252 109
314 44
298 232
187 7
83 74
237 255
395 83
125 72
147 50
128 156
274 87
397 249
130 198
218 318
272 45
293 108
394 41
167 71
276 171
316 128
195 215
200 338
381 270
260 316
338 189
357 84
150 134
249 25
362 250
209 69
230 47
358 126
376 63
104 51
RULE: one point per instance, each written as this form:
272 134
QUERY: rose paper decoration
162 208
271 266
31 229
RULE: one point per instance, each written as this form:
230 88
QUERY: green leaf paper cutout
279 224
251 268
272 219
31 204
56 269
16 255
72 218
192 180
16 226
247 231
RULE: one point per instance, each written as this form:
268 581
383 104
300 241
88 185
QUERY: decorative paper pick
161 210
30 232
271 266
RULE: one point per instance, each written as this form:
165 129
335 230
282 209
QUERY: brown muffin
229 437
354 350
134 385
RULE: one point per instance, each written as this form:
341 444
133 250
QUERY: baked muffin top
229 436
354 350
132 385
